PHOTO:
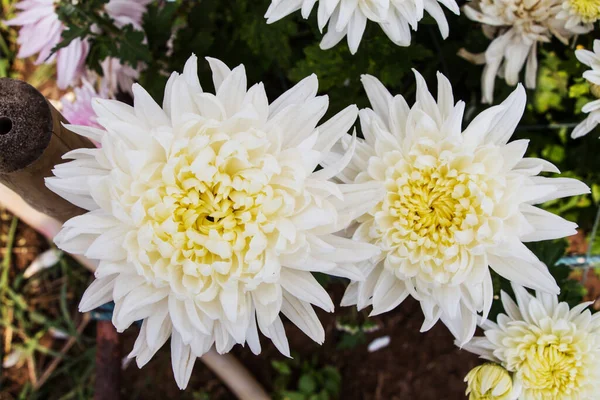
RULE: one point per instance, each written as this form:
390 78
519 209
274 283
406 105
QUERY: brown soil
27 245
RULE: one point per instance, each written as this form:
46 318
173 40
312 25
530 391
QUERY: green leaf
132 48
68 35
332 379
282 367
350 341
293 396
550 251
307 384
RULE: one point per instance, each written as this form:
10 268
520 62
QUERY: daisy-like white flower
516 27
207 216
591 59
491 382
577 12
456 201
77 106
552 350
349 17
41 31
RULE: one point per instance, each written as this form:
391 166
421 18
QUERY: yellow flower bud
489 382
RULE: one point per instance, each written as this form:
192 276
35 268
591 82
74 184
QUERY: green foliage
88 20
305 380
20 304
354 333
7 40
552 85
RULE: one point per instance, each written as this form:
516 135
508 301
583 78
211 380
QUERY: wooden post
108 362
32 142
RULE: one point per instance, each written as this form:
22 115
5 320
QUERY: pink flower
126 12
41 31
79 111
118 76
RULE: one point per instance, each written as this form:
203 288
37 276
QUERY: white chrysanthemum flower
553 351
349 17
577 12
206 215
516 27
456 202
491 382
591 59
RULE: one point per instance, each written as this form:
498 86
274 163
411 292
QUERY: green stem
6 262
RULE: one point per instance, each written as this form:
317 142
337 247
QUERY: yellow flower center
207 214
550 369
588 10
489 382
437 207
428 205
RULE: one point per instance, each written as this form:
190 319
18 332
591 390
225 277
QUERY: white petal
182 359
301 314
304 286
389 292
378 95
97 294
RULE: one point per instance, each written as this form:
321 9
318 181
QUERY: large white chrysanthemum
456 202
206 215
591 59
349 17
516 27
552 350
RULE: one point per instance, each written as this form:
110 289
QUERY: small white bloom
207 216
15 358
47 259
516 27
553 351
456 202
577 12
379 343
591 59
58 334
349 17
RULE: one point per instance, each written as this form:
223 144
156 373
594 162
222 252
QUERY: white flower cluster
517 28
208 215
348 18
591 59
551 350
